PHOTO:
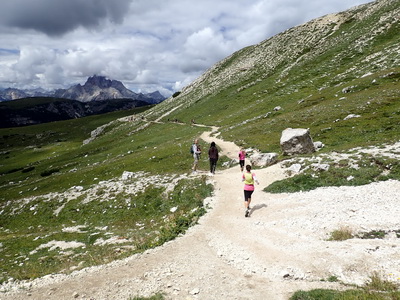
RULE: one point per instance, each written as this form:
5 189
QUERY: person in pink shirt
242 157
249 179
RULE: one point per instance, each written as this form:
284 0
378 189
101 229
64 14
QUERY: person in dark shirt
213 156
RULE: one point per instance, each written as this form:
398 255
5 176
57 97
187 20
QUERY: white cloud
148 45
202 49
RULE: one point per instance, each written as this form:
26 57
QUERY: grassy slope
48 160
309 87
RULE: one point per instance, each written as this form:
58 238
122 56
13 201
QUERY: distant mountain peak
100 81
96 88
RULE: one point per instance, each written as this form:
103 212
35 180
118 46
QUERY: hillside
318 73
96 203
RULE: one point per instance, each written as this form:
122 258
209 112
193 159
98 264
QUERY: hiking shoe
246 214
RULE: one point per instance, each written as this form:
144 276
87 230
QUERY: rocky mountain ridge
96 88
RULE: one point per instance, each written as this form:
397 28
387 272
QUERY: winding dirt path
278 250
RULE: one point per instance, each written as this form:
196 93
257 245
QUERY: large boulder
296 141
263 159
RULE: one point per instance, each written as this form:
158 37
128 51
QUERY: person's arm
255 178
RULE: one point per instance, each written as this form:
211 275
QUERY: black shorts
241 162
247 195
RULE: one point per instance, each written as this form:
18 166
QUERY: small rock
320 167
195 291
351 116
295 168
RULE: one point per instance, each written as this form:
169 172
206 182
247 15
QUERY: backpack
191 149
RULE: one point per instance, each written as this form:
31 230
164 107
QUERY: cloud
147 44
58 17
202 49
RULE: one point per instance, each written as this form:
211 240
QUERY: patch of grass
333 278
341 234
346 233
374 234
369 169
376 283
158 296
375 289
322 294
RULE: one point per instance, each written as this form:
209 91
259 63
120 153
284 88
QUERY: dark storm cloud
57 17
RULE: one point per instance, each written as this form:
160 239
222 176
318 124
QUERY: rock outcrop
296 141
263 159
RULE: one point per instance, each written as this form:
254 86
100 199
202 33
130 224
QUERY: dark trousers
213 165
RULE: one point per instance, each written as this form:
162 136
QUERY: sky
148 45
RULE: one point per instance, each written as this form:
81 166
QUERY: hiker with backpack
196 151
248 178
213 157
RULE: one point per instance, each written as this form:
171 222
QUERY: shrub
28 169
376 283
341 234
176 94
49 172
